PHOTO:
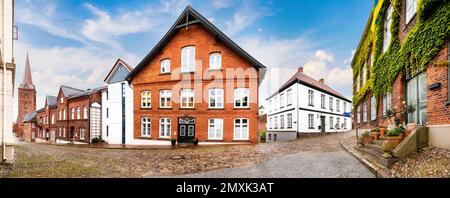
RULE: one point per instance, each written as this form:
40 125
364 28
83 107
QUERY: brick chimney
322 80
300 69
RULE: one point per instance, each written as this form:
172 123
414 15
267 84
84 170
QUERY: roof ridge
72 88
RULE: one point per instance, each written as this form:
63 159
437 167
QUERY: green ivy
420 46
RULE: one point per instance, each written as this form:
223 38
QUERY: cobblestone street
42 160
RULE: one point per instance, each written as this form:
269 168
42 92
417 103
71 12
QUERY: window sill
241 140
146 108
214 70
164 138
145 137
165 108
187 108
212 108
241 108
311 128
215 140
165 74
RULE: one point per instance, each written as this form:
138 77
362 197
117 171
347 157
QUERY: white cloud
220 4
322 55
244 17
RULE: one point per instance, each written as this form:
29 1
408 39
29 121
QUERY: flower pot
367 140
196 142
382 131
375 135
173 142
390 143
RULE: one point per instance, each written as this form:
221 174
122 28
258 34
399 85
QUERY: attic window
188 59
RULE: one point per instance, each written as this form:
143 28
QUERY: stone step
375 147
374 156
378 142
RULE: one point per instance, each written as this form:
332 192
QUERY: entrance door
417 98
186 129
52 135
322 123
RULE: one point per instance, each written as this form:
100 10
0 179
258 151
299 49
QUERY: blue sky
75 42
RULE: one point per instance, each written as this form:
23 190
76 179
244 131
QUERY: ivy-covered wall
420 46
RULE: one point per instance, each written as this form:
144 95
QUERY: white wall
275 109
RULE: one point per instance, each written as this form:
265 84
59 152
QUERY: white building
117 108
304 105
7 70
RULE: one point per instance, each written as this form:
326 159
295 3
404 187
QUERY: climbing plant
421 45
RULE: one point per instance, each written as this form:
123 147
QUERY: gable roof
115 67
189 17
51 100
70 91
304 79
88 92
29 117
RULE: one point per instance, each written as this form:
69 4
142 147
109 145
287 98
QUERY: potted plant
375 133
196 142
366 137
382 131
392 139
173 141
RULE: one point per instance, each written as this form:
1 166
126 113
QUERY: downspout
297 110
89 118
3 84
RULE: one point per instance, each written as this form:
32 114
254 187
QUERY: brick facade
150 79
438 109
26 104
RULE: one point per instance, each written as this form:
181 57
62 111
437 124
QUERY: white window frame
331 122
165 99
215 61
188 59
373 112
165 66
338 123
82 133
72 113
311 121
61 100
275 122
289 97
289 120
53 119
146 99
146 127
322 101
331 103
85 112
358 114
387 29
365 111
64 114
338 105
310 97
238 129
215 129
165 127
216 94
387 103
411 10
239 97
78 113
187 94
281 121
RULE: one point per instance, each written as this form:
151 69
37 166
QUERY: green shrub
366 134
263 134
394 132
97 140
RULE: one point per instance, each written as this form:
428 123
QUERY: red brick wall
437 72
149 78
25 96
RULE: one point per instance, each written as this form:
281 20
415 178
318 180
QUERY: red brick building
73 115
426 89
29 127
196 83
26 98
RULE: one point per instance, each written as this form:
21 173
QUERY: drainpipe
3 84
89 119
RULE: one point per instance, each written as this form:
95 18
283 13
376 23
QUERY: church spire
27 81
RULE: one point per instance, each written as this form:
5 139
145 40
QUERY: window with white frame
61 100
270 123
387 101
85 112
72 113
331 122
275 124
60 115
215 129
322 101
311 121
187 98
289 121
82 133
241 129
289 97
53 119
64 132
345 123
215 98
358 114
241 96
411 9
338 123
146 99
270 105
215 61
165 99
364 75
310 97
387 29
282 102
165 66
373 112
188 59
78 113
146 129
365 112
281 121
64 114
331 103
275 103
338 105
165 127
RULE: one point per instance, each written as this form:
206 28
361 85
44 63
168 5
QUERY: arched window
72 113
78 113
85 112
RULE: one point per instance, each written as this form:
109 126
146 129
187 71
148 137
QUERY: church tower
26 96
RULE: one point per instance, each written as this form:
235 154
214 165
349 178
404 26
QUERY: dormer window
165 66
215 61
188 59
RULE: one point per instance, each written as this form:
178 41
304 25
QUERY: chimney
300 69
322 80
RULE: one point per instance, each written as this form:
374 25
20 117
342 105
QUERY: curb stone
375 169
